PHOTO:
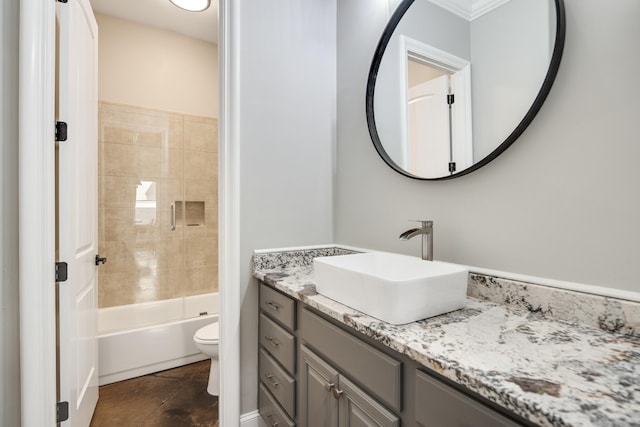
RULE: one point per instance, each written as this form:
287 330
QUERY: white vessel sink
392 287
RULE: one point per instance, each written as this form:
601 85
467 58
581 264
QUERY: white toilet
207 339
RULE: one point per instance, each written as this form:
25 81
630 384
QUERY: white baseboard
252 419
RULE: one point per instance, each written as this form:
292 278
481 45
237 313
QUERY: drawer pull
329 386
273 341
271 422
272 305
272 381
337 394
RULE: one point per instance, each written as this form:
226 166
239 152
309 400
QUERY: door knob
337 394
100 260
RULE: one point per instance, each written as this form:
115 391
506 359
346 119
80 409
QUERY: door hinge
61 271
450 99
452 167
62 411
61 131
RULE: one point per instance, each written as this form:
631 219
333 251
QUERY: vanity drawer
373 369
278 342
270 411
438 404
281 385
278 306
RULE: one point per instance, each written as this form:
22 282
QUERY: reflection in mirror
448 91
430 137
437 94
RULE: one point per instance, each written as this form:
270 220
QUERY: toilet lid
209 332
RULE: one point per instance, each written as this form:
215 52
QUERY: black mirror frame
554 65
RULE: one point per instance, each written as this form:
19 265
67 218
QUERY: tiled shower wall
149 160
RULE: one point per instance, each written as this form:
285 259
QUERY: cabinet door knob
337 394
329 386
272 381
271 422
272 340
272 305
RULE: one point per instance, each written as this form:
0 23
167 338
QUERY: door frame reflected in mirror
460 139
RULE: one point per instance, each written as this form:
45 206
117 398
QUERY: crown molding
469 9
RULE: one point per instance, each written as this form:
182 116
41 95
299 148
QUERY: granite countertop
550 372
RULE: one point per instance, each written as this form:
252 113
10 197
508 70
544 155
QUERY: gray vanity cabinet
276 358
329 399
328 392
316 372
438 405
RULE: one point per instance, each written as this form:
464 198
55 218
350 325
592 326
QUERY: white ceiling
163 14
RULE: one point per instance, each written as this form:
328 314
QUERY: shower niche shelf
193 213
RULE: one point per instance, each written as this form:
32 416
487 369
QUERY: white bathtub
139 339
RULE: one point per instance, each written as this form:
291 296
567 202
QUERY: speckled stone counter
506 344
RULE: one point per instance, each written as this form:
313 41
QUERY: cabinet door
439 405
358 409
318 406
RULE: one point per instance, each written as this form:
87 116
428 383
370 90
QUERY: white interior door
78 210
428 125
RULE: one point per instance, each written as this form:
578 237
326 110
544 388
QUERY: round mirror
452 87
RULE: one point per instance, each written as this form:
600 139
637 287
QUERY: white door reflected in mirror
428 127
437 141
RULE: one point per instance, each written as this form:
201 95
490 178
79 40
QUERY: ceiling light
192 5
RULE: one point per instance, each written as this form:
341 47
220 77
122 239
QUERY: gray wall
9 320
287 137
561 203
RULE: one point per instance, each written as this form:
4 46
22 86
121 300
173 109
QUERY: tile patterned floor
173 398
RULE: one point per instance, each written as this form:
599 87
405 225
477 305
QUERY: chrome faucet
426 230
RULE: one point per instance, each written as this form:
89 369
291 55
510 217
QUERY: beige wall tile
211 216
117 191
119 159
169 254
117 288
170 284
201 280
201 189
148 232
120 288
160 162
200 251
150 262
163 130
139 126
119 224
120 256
201 165
200 134
151 138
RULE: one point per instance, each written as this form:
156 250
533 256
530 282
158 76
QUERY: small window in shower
146 203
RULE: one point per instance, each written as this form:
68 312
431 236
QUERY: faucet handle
425 223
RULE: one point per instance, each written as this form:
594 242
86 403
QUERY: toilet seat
208 334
